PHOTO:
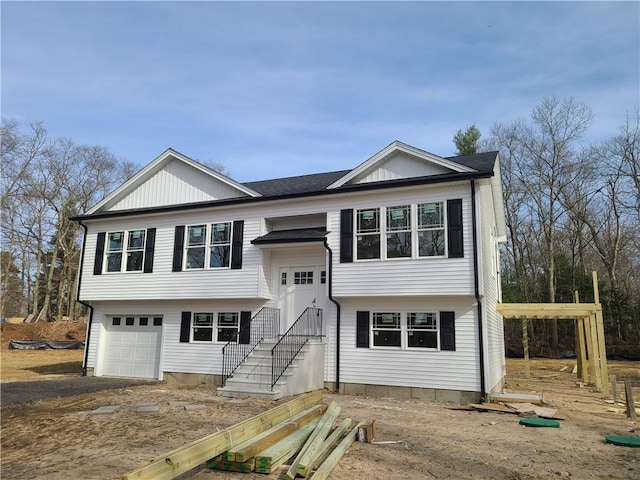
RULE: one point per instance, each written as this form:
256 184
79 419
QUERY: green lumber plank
287 447
249 448
316 438
329 464
329 444
183 459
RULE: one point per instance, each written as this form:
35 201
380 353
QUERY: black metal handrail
264 324
306 327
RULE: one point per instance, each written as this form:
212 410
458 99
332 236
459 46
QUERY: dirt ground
58 439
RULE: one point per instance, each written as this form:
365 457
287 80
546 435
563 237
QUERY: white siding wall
401 165
431 276
451 370
489 264
402 277
176 183
176 356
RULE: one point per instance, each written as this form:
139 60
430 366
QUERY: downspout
476 282
335 302
88 336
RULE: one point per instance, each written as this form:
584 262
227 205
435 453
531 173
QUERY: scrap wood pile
299 433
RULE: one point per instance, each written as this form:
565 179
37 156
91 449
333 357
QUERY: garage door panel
132 350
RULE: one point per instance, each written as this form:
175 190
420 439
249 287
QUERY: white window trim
125 250
404 332
207 246
415 250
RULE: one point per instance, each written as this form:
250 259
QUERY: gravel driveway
14 393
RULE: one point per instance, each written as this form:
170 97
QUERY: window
228 326
431 229
225 327
136 321
132 243
302 278
218 238
399 231
144 321
129 321
368 234
323 277
196 238
115 321
386 330
115 245
283 278
422 330
157 321
135 250
202 327
220 251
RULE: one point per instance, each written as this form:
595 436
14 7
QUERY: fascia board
399 147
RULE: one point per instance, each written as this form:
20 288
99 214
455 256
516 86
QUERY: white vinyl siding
412 367
176 183
488 264
406 276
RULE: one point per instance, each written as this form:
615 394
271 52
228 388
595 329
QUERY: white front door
300 288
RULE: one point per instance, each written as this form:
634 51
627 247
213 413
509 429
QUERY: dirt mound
54 331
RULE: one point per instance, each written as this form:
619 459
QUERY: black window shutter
236 245
97 264
178 248
244 336
149 248
346 236
447 331
185 327
362 329
454 228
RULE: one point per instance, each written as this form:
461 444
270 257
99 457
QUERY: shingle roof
294 185
482 162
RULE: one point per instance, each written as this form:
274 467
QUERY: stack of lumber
309 440
301 435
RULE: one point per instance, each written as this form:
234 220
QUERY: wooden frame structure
590 340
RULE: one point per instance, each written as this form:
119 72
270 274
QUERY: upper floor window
208 245
125 251
431 229
368 233
401 231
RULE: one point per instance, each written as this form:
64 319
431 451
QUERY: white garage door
133 347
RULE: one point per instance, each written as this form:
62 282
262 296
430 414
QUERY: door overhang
291 238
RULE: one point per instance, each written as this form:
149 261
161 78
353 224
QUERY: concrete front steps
253 377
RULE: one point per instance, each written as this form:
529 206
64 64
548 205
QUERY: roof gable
400 161
172 179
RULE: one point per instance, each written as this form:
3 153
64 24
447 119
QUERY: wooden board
516 397
329 464
248 449
305 458
492 407
271 458
183 459
242 467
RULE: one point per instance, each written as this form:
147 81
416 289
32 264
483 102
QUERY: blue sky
289 88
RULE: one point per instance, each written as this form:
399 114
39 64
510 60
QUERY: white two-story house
380 280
